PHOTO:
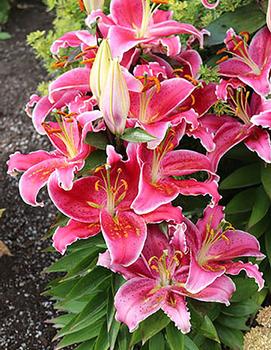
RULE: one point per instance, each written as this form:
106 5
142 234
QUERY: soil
23 311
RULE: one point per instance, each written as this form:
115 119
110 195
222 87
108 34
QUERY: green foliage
68 17
247 18
4 11
85 294
194 12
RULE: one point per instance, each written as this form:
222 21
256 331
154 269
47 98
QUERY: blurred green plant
4 12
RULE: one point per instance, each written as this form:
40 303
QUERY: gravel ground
23 310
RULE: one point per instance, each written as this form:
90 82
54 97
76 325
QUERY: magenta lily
139 22
157 184
77 38
102 202
254 115
71 151
250 63
214 243
157 281
155 108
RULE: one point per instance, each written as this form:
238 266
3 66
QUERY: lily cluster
135 76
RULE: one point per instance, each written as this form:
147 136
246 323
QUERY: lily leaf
266 179
247 18
137 135
260 208
243 177
97 139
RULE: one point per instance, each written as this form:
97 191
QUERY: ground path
22 309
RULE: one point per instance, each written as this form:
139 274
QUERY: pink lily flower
194 108
71 151
253 116
154 109
157 281
77 38
249 63
102 202
214 243
68 90
132 23
160 167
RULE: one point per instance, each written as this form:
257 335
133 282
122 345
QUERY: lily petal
135 301
82 203
125 235
74 230
176 309
251 270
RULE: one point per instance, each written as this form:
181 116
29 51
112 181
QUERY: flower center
165 266
115 191
211 237
159 153
240 52
145 98
64 132
238 104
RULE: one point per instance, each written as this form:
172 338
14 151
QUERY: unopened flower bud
268 15
100 69
115 100
91 5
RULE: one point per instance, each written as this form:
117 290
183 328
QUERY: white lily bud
115 99
100 69
91 5
268 15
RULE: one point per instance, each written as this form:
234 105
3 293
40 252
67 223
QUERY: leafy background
83 293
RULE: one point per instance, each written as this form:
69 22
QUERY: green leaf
244 308
175 338
266 179
95 159
245 288
5 36
149 327
245 19
242 202
89 283
4 11
61 321
102 340
87 345
62 288
233 322
259 229
208 330
70 261
123 338
243 177
113 326
189 344
260 207
83 335
97 139
93 311
157 342
137 135
230 337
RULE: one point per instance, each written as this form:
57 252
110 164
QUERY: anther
219 52
190 78
222 59
237 46
245 35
